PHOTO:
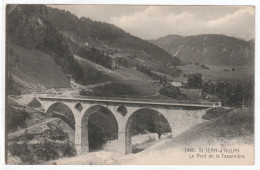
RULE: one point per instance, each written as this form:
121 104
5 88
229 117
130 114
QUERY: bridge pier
78 139
128 146
121 142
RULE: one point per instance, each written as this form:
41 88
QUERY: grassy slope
90 72
236 126
36 67
142 84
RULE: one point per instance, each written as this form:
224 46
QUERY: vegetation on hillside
231 94
122 62
96 56
173 71
53 143
112 90
28 26
170 91
231 123
145 70
109 38
15 119
194 81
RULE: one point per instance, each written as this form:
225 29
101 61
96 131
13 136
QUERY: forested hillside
29 26
107 38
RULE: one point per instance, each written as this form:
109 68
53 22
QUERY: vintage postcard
129 84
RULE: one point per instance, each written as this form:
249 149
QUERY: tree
176 61
163 79
209 87
195 80
236 97
206 87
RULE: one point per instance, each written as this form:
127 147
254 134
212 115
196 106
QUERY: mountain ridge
215 49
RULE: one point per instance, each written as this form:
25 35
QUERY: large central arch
62 111
85 124
128 147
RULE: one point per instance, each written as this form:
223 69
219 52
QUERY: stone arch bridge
123 111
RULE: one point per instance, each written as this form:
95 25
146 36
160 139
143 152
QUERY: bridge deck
134 101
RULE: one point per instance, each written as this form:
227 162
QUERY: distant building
176 84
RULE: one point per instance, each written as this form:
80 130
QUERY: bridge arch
85 124
129 122
62 111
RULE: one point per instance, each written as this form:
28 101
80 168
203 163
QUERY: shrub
195 81
113 90
204 67
52 143
170 91
185 75
121 61
96 56
209 87
162 79
16 118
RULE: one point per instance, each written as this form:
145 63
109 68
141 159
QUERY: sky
152 22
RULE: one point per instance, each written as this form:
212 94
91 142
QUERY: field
219 73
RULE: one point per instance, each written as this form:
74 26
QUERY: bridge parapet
117 101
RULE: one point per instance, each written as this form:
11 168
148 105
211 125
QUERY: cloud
156 21
100 12
151 22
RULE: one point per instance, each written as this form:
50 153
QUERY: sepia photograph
129 84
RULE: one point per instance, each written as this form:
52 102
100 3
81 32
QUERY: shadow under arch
146 112
62 111
95 117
